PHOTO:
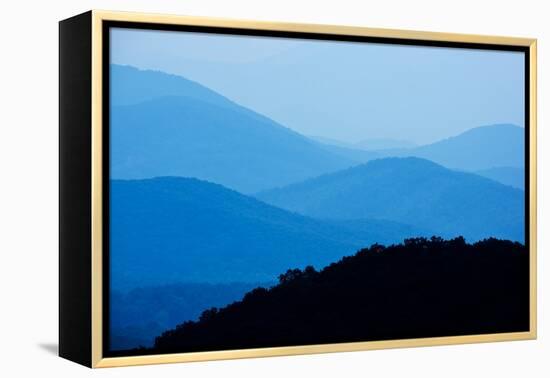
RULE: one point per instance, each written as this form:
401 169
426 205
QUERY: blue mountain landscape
412 191
212 204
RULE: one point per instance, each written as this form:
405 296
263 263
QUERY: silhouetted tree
208 314
289 276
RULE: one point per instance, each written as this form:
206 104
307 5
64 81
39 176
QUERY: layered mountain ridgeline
411 191
494 151
485 147
138 316
422 288
165 125
481 148
168 230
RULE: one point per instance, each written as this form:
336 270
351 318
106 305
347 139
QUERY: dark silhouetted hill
169 230
422 288
412 191
165 125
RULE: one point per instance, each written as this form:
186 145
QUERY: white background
29 174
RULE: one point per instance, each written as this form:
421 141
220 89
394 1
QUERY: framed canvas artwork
235 189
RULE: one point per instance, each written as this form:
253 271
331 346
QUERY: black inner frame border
105 46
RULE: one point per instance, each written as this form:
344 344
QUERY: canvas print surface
269 191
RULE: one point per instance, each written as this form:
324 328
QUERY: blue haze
344 91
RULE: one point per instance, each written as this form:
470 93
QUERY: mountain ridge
201 231
478 148
412 191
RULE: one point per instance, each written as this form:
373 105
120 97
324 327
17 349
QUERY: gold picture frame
96 19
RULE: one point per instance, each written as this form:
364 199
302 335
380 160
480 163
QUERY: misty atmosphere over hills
212 200
342 90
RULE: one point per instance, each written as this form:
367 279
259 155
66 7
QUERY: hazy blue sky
341 90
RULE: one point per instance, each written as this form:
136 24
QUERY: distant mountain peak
394 164
476 149
132 85
493 128
404 162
